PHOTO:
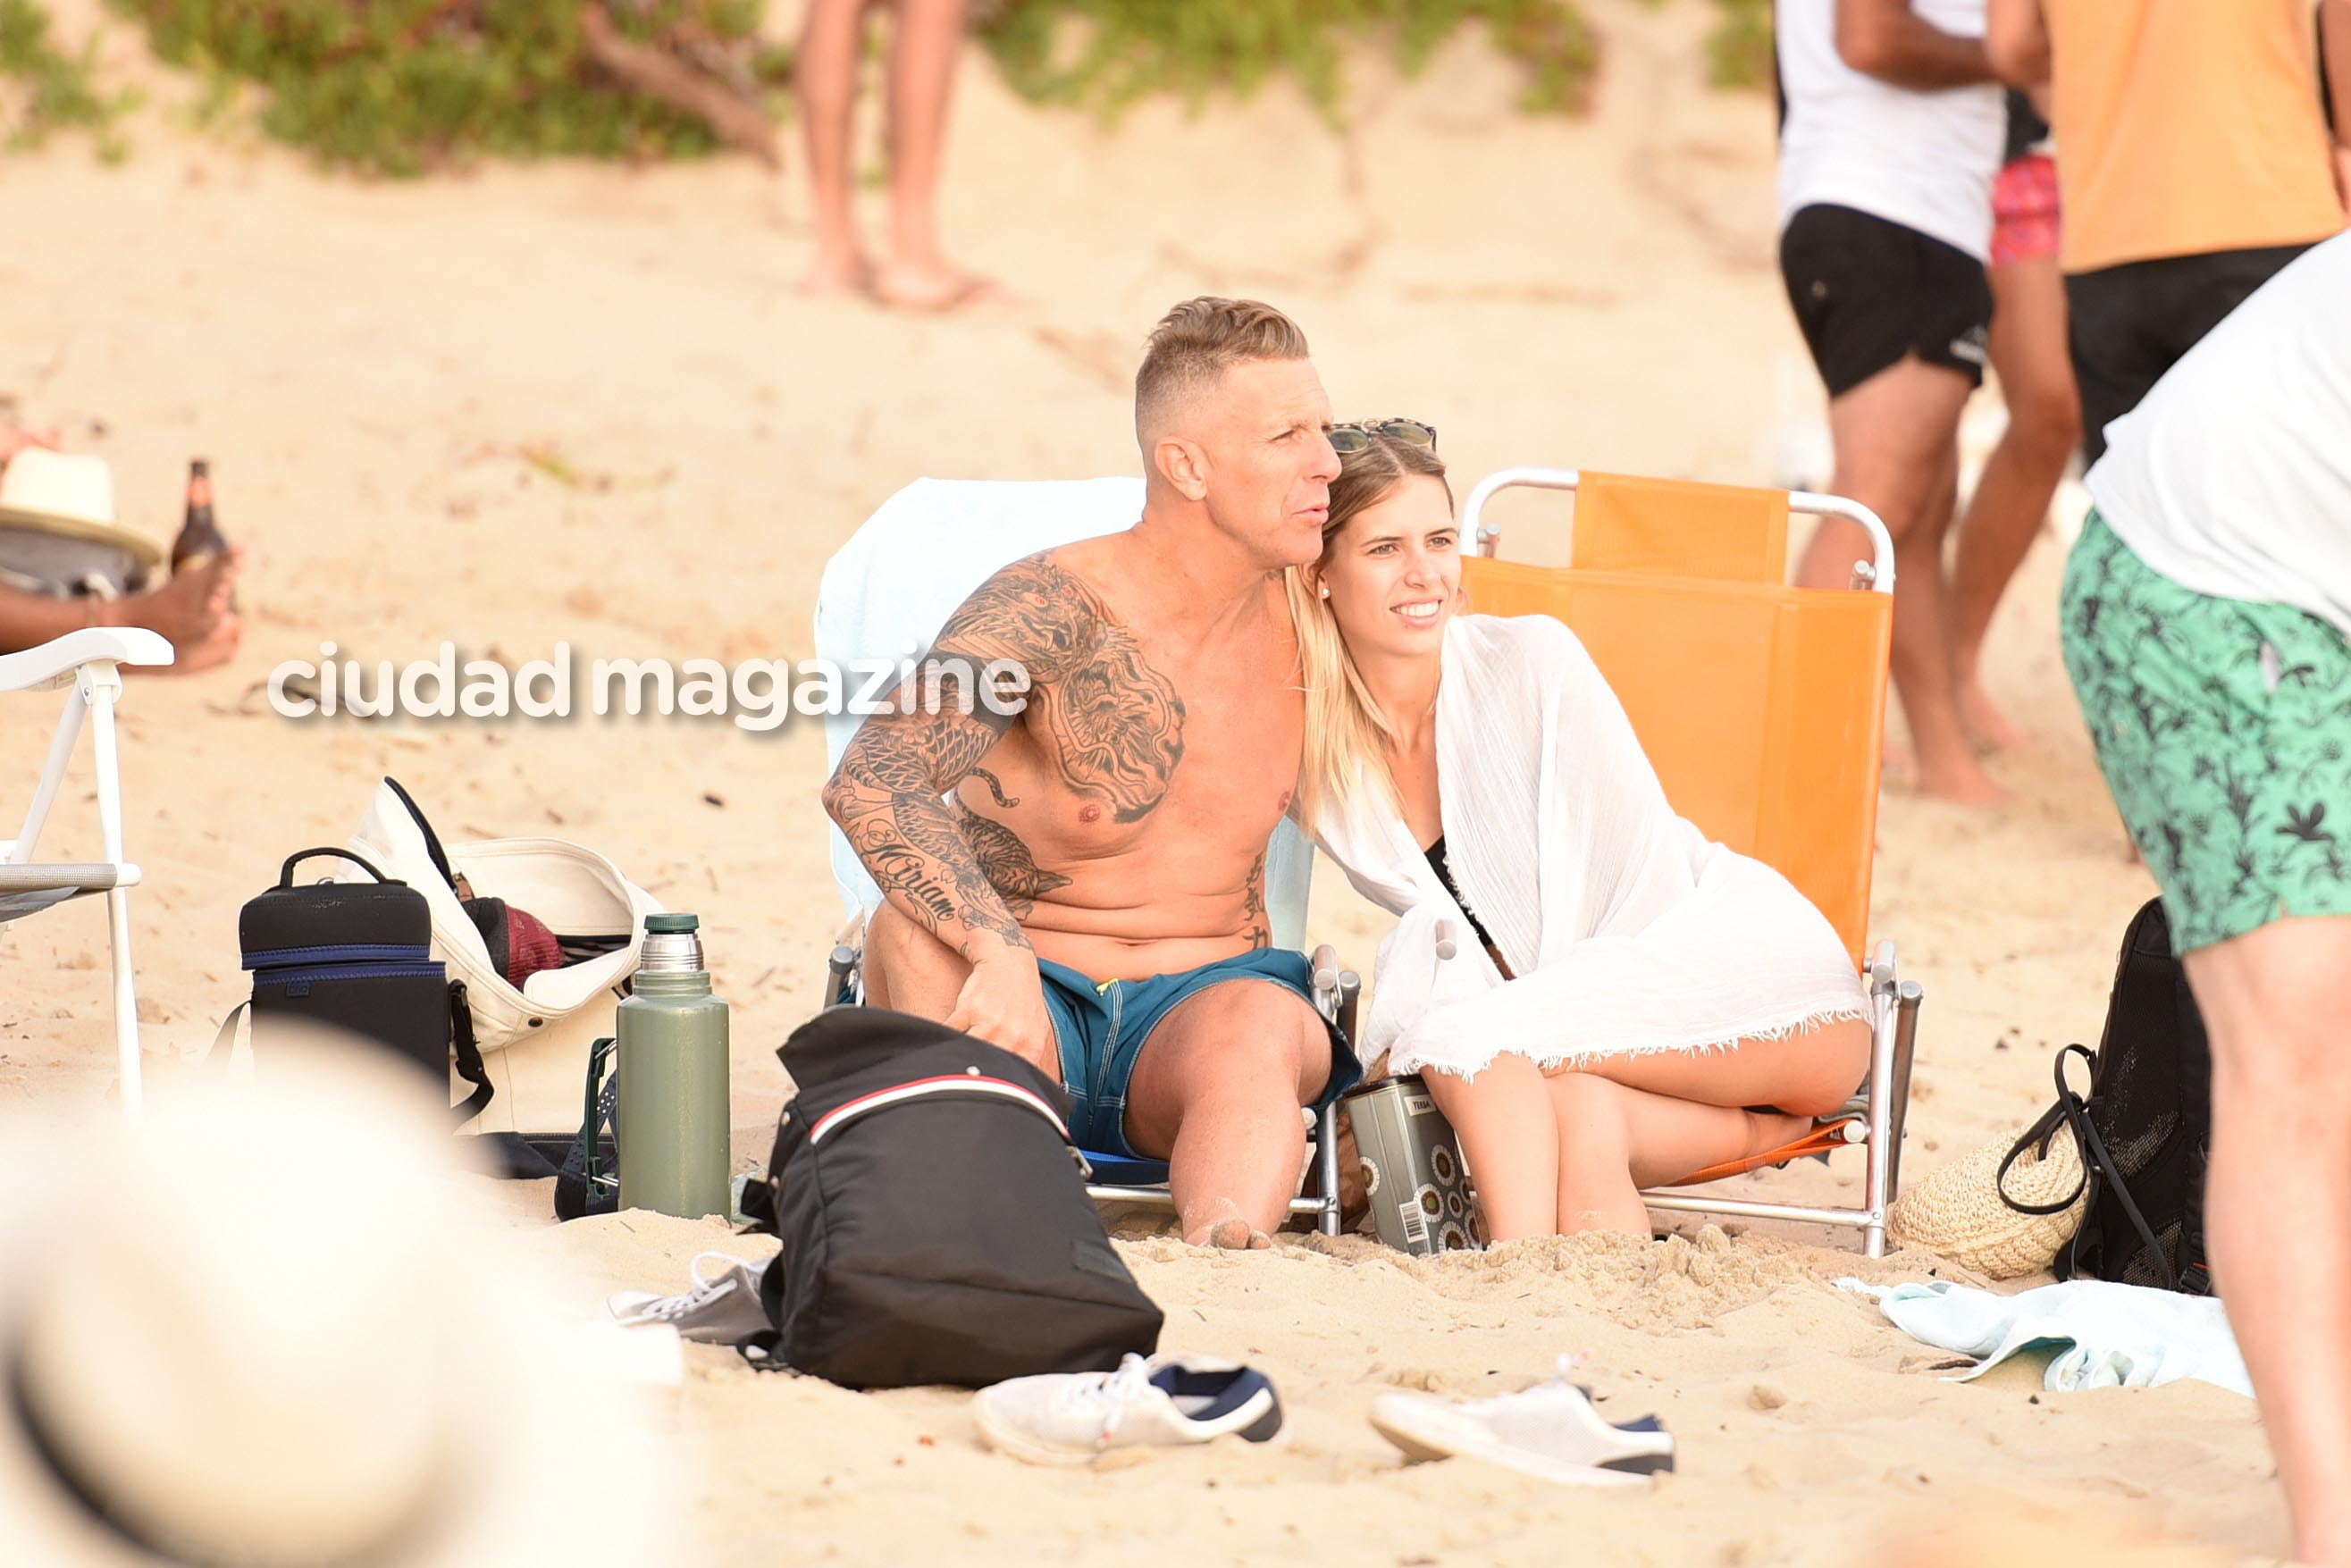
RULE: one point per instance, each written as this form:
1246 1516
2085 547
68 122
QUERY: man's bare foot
1992 728
1224 1225
191 612
1233 1236
831 275
904 286
1963 783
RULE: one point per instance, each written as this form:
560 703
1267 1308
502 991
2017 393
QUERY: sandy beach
528 405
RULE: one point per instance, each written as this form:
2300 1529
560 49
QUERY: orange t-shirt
2185 126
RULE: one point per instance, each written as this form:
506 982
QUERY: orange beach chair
1762 708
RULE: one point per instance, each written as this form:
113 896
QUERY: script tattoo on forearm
1116 724
887 797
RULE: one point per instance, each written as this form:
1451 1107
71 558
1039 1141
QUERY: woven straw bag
1956 1212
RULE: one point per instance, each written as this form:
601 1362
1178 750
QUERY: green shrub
1126 49
398 87
54 90
1739 50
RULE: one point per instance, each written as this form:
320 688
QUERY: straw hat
1957 1211
269 1329
71 494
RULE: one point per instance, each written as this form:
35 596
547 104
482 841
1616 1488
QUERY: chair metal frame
90 662
1336 993
1893 1002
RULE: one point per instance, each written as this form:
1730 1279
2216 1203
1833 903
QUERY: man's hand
192 612
1003 1003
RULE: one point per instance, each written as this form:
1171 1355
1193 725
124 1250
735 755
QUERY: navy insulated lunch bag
356 957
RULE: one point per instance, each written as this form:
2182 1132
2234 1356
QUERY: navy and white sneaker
1550 1431
1068 1418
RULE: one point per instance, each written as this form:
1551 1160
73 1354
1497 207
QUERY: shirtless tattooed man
1093 896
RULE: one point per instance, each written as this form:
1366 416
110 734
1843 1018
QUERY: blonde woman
1624 992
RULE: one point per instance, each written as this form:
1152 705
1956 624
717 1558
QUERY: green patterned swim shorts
2224 730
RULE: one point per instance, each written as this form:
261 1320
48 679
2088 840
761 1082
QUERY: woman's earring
1326 590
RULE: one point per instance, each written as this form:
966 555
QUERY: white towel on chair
2109 1335
888 590
1629 932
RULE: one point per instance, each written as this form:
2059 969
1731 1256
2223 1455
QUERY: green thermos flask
672 1034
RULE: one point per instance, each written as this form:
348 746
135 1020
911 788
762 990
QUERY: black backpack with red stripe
934 1216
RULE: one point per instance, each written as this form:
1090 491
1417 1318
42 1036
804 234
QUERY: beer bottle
200 537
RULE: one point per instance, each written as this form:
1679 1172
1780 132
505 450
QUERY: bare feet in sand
935 287
1233 1236
1965 784
1992 728
1223 1226
832 274
191 612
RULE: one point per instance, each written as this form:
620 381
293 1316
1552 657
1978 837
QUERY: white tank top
1923 160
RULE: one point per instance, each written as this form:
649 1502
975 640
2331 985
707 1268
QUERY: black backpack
2145 1129
934 1216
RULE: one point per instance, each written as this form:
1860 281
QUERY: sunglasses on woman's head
1355 435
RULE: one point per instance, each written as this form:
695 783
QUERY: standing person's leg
1895 437
825 78
922 89
2277 1200
2219 729
2030 352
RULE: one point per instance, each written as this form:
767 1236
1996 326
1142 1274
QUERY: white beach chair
90 662
883 597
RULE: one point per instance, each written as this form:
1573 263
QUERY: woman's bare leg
1510 1138
1614 1140
825 78
1810 1073
922 87
2030 351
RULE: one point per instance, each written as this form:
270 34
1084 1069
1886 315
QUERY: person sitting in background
1634 990
191 611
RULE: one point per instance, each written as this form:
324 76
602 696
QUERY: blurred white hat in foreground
270 1327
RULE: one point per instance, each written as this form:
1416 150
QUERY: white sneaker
1549 1431
1067 1418
724 1310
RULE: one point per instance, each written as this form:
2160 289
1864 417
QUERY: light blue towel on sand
887 591
2107 1335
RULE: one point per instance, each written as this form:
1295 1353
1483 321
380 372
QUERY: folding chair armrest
83 876
36 668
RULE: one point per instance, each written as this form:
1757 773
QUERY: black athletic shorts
2135 321
1867 292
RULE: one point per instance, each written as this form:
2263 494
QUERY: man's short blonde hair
1197 342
